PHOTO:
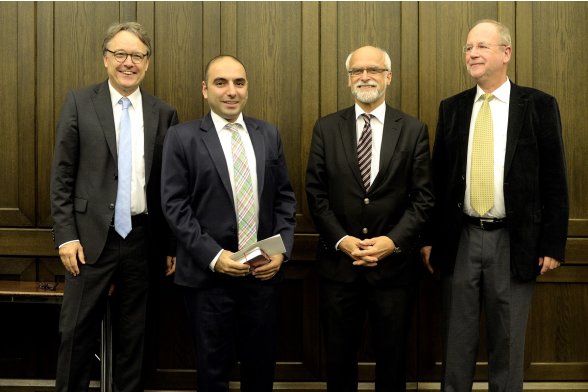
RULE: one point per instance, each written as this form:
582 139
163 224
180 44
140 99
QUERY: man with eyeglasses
105 202
369 193
502 212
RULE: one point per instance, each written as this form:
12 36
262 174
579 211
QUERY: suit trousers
238 317
343 308
124 263
482 280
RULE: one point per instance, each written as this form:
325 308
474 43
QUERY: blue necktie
122 211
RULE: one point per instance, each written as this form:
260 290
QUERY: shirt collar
379 113
219 122
115 96
502 93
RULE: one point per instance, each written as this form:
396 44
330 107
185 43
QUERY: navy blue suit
199 205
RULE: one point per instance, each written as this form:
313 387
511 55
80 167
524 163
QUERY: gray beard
367 96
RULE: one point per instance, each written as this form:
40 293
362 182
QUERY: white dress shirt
138 191
225 136
499 108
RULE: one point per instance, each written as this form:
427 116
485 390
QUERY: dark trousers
343 308
236 318
124 263
482 279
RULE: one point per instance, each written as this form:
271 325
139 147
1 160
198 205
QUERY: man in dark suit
500 218
369 201
224 186
105 201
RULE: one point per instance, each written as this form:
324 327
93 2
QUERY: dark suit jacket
198 201
84 172
535 190
397 204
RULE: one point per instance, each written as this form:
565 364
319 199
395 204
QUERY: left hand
373 250
548 263
170 265
267 271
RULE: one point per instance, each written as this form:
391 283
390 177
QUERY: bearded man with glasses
369 193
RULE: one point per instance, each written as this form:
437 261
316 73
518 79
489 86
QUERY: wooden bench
36 292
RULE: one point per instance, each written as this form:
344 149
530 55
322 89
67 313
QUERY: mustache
362 84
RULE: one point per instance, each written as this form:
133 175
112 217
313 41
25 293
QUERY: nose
128 62
231 89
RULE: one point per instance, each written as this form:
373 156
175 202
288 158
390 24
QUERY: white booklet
270 246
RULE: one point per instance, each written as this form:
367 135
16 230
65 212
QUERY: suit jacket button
459 205
364 230
366 201
111 206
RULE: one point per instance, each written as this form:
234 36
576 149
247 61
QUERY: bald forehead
225 66
367 55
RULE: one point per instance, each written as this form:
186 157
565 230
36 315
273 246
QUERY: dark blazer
84 172
535 190
198 201
397 204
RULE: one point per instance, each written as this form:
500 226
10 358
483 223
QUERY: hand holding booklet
259 253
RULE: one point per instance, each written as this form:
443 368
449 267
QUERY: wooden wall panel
294 53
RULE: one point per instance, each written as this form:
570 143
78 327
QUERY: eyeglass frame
370 71
467 48
120 52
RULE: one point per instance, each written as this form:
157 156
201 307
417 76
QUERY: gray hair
132 27
387 61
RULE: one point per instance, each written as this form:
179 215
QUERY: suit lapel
103 107
465 106
259 149
150 123
516 110
215 149
348 136
390 136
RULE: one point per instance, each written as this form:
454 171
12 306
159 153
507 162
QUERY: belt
136 220
486 223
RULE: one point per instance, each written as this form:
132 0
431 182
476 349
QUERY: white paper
272 246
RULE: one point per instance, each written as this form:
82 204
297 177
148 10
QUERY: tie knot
367 117
488 97
233 127
125 102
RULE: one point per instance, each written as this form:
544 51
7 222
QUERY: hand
548 263
70 254
426 258
349 245
372 250
226 265
170 265
267 271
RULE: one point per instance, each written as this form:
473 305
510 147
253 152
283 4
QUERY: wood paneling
294 53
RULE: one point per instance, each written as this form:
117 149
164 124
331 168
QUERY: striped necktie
246 216
122 209
364 151
482 165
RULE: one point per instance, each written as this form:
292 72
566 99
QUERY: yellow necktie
482 171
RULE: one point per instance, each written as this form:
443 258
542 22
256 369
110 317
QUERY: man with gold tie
501 214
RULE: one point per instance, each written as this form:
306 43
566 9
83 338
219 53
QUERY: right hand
70 254
349 245
226 265
426 258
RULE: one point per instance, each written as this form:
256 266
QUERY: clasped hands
226 265
367 252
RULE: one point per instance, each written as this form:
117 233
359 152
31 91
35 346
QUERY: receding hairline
501 29
218 58
387 61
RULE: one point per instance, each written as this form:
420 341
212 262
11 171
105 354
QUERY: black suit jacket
84 172
397 204
198 201
535 190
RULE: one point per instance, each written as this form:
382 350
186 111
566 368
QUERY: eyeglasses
121 56
370 71
47 286
482 46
